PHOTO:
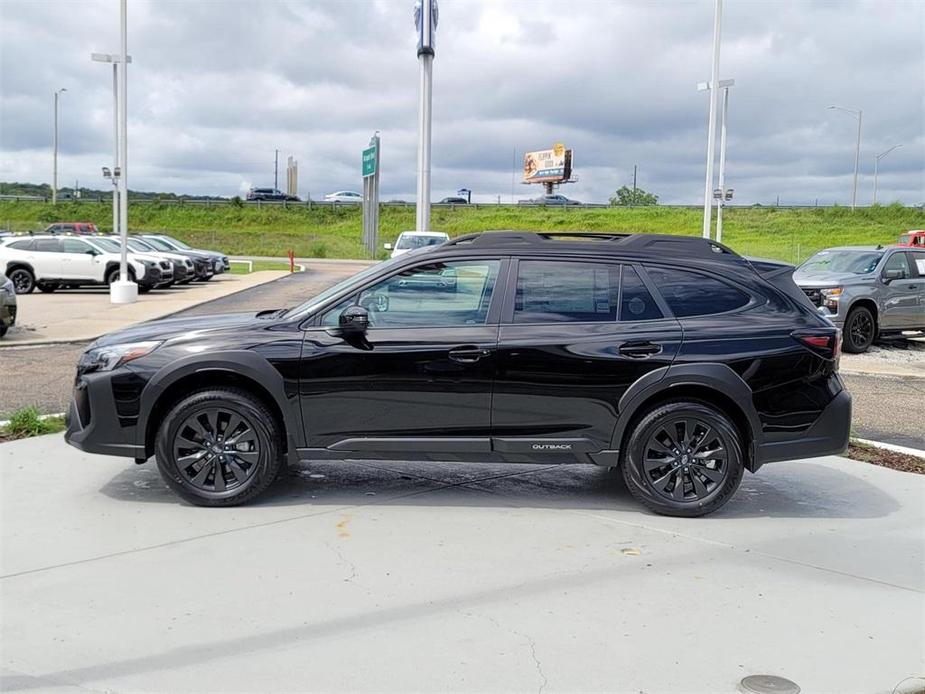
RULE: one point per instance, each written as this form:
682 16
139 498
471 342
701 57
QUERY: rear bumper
827 436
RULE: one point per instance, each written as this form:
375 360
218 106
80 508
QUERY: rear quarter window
692 294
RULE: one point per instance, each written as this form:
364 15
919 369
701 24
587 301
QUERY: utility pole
724 195
711 131
425 17
634 184
276 170
857 150
54 171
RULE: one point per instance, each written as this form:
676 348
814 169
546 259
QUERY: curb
892 447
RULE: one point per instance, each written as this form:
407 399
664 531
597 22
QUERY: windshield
159 245
140 246
108 245
406 242
178 244
316 301
855 262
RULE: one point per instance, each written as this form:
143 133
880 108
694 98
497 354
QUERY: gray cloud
216 86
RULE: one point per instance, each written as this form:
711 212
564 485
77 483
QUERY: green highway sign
369 162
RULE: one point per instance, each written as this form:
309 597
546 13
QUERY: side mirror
354 320
890 275
93 252
387 246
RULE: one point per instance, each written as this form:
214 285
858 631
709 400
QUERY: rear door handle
638 350
468 354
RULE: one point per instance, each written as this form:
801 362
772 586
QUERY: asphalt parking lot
443 576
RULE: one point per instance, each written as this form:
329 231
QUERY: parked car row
48 262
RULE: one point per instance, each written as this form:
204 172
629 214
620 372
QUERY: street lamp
711 131
115 60
724 85
425 19
54 172
877 167
857 152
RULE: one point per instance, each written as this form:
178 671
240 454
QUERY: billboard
548 165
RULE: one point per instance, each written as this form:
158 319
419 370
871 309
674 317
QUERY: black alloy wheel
23 280
219 447
683 458
860 330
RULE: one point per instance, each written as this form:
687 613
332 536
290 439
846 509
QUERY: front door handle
638 350
468 354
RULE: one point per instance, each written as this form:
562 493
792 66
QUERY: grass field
323 232
259 265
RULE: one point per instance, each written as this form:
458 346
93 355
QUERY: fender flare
15 264
718 377
238 362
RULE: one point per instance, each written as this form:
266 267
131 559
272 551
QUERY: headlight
109 357
830 297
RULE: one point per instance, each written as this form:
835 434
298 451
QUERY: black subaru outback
672 358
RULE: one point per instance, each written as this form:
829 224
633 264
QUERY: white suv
411 240
49 262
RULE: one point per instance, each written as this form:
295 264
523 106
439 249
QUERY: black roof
665 246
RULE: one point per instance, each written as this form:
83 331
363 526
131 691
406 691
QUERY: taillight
824 342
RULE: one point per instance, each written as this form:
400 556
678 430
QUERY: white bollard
123 292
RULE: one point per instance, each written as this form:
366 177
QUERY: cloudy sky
215 87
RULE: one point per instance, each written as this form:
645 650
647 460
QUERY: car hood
805 278
179 328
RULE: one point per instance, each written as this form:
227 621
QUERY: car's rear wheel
219 447
683 458
860 330
23 280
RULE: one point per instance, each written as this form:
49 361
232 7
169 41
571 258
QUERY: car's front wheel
860 330
683 458
219 447
23 280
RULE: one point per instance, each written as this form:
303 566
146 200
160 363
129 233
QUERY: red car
80 228
913 239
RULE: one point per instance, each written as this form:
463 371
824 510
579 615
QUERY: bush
28 422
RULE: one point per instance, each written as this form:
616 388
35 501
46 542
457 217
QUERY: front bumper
8 314
96 423
827 436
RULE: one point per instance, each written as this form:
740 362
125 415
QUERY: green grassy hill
785 234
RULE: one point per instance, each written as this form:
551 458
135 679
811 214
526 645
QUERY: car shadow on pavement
782 490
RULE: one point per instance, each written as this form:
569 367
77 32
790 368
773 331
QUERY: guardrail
309 204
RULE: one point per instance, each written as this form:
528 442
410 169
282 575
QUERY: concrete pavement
451 577
85 314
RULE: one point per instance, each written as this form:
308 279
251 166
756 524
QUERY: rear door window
692 294
555 291
47 245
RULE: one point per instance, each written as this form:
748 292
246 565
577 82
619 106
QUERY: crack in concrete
343 560
529 639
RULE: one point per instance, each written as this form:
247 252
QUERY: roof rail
635 242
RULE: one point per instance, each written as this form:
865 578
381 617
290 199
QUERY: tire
143 289
113 276
190 433
206 278
3 329
651 470
860 330
48 287
23 280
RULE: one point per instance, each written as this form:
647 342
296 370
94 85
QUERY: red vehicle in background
80 228
913 239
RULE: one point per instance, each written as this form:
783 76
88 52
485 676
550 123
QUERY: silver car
866 290
7 305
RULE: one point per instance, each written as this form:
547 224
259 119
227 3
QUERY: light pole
725 85
857 151
425 18
877 167
114 59
54 170
711 131
276 170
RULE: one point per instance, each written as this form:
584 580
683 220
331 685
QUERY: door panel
398 383
76 260
564 381
420 378
902 297
577 334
